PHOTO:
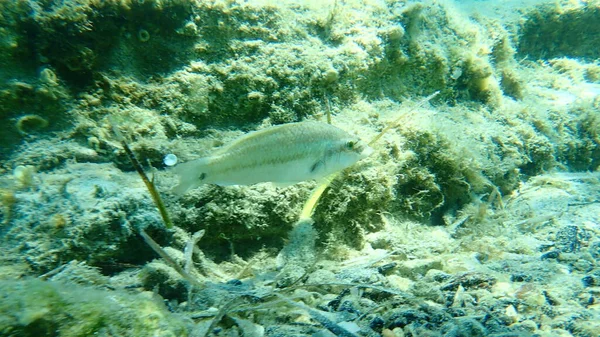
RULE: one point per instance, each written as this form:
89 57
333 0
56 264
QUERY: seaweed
149 183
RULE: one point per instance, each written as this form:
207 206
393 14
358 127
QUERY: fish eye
350 145
202 176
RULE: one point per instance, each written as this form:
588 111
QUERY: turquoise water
476 214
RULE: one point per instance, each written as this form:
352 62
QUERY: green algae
560 30
222 68
218 64
33 307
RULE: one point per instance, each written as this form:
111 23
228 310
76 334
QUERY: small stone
588 281
403 317
190 29
520 277
386 269
377 324
415 269
234 282
470 280
528 325
569 238
511 312
396 33
550 255
331 75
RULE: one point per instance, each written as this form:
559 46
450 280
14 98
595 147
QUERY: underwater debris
322 319
158 250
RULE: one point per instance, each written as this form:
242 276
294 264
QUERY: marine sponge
30 123
143 35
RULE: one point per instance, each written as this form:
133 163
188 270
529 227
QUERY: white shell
170 159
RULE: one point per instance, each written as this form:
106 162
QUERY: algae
32 307
561 30
476 216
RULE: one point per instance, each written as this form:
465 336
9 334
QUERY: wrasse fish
283 154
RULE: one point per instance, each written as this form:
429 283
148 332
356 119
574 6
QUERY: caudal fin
191 175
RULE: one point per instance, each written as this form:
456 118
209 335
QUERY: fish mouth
367 151
363 149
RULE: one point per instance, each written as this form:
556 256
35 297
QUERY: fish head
356 149
341 155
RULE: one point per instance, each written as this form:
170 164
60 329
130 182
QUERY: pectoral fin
317 166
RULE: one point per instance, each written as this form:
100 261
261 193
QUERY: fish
283 154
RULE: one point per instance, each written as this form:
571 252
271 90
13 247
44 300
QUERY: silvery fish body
282 154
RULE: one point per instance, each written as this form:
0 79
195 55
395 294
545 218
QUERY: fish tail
191 175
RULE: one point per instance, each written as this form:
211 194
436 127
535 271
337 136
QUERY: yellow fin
309 206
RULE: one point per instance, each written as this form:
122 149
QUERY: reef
476 215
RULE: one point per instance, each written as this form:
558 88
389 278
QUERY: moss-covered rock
187 77
563 29
217 65
38 308
90 213
240 220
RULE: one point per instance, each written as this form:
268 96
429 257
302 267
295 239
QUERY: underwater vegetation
476 215
41 308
